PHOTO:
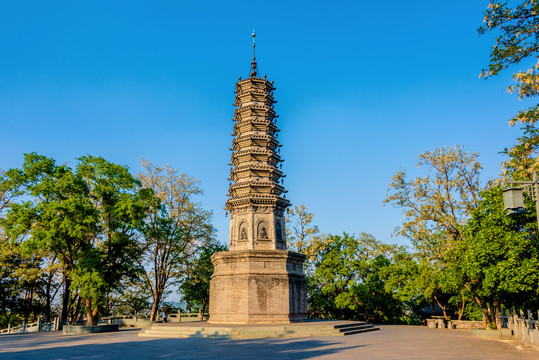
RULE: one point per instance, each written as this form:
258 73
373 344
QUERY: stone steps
355 329
309 329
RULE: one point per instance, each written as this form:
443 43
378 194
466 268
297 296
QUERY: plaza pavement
391 342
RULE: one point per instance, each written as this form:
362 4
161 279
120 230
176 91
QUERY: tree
58 217
435 208
349 273
21 269
497 260
300 230
416 283
120 204
132 298
174 229
196 285
304 237
85 219
19 283
518 29
436 205
8 192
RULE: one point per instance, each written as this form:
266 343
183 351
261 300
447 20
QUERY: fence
525 327
144 320
39 325
440 322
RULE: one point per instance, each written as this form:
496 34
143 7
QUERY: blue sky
362 89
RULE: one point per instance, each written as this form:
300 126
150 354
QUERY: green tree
22 271
56 217
435 207
411 282
20 285
349 273
86 219
196 285
497 260
121 204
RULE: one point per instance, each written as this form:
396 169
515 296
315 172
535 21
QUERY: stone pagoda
258 280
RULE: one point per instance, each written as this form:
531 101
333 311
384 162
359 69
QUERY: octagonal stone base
257 287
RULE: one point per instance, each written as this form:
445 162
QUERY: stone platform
89 329
203 329
258 287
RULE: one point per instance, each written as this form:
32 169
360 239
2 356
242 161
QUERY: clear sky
363 87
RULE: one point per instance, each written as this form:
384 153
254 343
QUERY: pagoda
258 280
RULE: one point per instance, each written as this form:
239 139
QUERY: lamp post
513 199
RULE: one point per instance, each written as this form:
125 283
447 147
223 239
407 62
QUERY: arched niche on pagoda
243 231
262 231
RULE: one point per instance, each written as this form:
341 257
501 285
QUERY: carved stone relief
243 231
262 231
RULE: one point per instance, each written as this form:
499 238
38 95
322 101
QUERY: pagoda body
258 280
255 203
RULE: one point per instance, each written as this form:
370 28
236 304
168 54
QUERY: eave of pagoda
253 140
254 125
257 199
254 186
255 110
254 82
254 96
255 171
255 155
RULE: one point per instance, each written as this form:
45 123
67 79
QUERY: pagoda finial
253 64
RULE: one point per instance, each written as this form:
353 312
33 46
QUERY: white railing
39 325
125 319
525 327
176 316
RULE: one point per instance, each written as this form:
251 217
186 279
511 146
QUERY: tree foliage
437 204
348 281
175 228
517 27
196 285
85 218
498 258
300 230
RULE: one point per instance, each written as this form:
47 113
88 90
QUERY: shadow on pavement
188 348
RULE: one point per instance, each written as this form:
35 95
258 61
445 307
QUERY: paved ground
392 342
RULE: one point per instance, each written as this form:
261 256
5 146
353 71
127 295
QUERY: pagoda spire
253 63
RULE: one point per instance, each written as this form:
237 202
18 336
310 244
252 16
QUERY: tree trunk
155 308
65 299
203 310
48 301
89 312
484 308
462 308
492 317
76 313
95 314
440 305
498 314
